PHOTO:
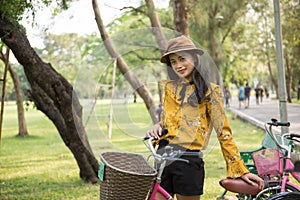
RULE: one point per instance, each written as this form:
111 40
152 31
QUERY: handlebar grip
283 124
163 132
294 135
277 123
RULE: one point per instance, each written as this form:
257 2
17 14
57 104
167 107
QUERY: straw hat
181 43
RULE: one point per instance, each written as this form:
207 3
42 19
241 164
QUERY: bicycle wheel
285 196
274 188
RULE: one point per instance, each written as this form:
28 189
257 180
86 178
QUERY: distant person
261 95
241 95
125 98
247 95
227 95
267 92
134 97
257 94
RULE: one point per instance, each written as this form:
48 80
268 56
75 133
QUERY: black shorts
184 178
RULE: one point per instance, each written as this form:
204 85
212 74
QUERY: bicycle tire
273 189
285 196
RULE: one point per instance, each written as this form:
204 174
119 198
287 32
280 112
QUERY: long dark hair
199 79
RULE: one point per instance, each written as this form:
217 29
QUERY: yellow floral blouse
191 127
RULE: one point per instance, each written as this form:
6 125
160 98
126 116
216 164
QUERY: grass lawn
40 166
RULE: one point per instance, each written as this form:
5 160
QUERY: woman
192 107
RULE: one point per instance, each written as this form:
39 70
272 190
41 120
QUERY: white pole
280 67
111 102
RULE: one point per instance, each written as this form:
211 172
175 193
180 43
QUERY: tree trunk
214 44
180 13
54 96
289 78
21 118
17 86
156 27
274 82
134 81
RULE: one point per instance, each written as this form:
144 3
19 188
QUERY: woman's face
182 63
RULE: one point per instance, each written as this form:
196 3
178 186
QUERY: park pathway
267 109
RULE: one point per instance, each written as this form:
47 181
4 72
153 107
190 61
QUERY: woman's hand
155 131
253 179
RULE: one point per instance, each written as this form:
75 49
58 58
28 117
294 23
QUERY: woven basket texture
127 176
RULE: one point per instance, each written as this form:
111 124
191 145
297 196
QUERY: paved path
262 113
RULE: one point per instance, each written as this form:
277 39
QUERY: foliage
15 10
291 40
64 52
244 37
41 167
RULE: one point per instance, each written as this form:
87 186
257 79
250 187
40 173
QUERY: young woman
192 107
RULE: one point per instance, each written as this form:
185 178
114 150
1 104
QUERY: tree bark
134 81
54 96
156 27
274 82
180 13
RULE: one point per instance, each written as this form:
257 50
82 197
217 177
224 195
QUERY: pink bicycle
275 165
161 160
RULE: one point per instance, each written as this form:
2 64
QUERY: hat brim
163 59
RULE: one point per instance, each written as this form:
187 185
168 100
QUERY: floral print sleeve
235 165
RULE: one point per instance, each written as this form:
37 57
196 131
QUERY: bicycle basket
124 176
267 162
268 142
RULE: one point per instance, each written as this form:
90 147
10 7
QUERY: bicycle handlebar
276 123
170 154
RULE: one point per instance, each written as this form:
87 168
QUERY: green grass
40 166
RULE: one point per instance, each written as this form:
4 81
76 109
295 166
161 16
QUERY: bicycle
273 163
160 161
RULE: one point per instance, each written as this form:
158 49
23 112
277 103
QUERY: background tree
19 96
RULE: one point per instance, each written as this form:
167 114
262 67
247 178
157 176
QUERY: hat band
181 47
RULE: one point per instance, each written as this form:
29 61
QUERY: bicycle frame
156 188
288 166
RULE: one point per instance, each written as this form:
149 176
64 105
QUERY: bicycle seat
238 185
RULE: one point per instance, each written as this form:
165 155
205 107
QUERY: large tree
51 93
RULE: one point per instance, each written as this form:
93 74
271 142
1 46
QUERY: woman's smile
182 63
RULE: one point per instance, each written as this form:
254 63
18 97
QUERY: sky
79 18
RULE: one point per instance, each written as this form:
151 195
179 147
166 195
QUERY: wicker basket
124 176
